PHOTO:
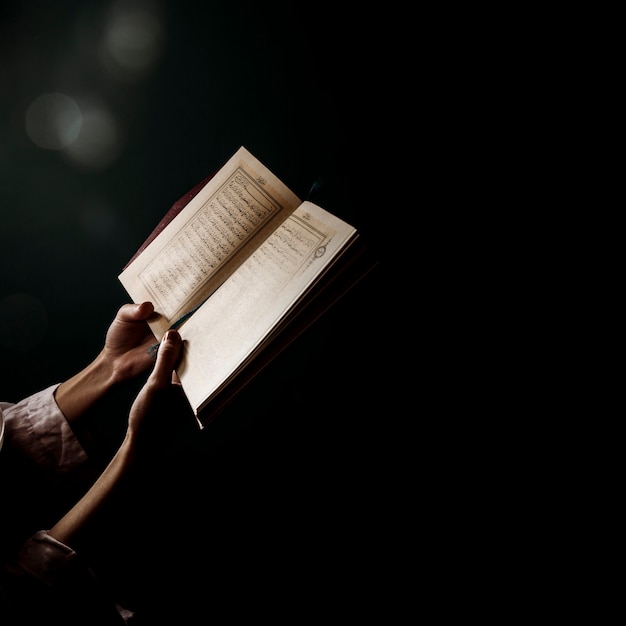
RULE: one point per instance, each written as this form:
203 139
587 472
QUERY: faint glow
87 134
100 141
23 322
53 121
133 39
99 221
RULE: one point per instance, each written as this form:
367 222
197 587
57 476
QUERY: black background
286 504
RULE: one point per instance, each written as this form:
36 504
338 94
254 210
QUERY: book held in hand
241 267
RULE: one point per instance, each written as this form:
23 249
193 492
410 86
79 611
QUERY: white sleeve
38 429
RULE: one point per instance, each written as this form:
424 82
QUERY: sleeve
45 559
37 428
46 579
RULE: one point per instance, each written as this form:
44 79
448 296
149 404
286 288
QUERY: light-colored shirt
36 429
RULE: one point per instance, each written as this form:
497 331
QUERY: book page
206 242
225 331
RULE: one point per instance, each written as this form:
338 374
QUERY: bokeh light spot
100 141
133 39
53 121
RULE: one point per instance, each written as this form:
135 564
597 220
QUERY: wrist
77 394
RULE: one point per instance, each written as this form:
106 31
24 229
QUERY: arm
46 571
46 426
71 527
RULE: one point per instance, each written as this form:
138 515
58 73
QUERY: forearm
70 528
80 392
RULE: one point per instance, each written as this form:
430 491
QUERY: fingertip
172 336
171 343
167 356
141 310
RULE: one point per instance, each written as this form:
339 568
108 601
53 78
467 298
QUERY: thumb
168 355
135 312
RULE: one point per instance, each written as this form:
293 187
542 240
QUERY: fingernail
171 336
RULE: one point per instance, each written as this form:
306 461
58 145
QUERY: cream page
208 239
222 334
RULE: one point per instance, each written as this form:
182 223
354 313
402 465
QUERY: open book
241 269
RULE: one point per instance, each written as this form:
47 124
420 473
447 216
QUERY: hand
128 340
124 356
153 410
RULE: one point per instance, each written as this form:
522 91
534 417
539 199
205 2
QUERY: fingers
167 358
135 312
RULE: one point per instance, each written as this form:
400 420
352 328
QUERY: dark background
283 505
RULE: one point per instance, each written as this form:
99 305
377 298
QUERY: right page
227 330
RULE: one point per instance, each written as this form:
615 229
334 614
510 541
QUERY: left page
205 243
